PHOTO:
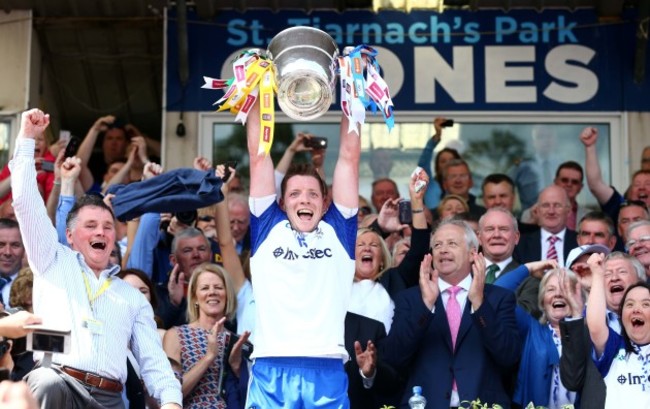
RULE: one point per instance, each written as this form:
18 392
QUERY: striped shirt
60 297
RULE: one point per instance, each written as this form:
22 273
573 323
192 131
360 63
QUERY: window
489 142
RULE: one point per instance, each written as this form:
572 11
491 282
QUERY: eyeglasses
627 203
569 181
642 240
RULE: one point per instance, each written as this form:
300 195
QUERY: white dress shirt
61 299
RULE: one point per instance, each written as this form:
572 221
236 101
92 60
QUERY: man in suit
12 252
370 384
454 336
552 241
498 236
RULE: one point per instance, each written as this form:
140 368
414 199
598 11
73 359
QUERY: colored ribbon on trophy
253 77
360 92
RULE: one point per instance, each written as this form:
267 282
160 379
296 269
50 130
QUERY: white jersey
301 281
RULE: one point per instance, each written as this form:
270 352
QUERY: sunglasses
206 218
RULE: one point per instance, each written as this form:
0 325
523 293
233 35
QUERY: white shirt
370 299
461 297
61 300
559 245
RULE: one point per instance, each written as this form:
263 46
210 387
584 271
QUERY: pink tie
453 316
551 254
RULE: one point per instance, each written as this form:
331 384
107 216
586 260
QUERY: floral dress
207 392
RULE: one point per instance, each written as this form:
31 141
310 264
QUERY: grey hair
188 233
636 264
470 235
500 209
635 225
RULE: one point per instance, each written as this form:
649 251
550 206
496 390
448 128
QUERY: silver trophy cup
304 59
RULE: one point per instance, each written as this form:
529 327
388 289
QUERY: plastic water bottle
417 401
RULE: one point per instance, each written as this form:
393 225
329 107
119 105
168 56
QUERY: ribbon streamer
362 88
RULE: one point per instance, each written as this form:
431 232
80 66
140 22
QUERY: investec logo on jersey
289 254
630 379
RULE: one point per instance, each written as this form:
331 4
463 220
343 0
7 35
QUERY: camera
48 339
316 142
187 218
405 214
447 123
47 166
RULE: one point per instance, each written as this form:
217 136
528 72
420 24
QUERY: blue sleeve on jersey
612 346
346 229
262 225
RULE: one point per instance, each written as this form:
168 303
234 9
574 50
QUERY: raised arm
261 166
86 148
231 261
38 233
345 190
596 304
601 190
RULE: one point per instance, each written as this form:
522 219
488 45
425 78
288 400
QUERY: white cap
577 252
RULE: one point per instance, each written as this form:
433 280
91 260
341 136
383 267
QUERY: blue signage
459 60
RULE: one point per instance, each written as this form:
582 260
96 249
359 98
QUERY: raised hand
596 263
201 163
589 136
538 268
573 295
213 343
388 217
70 169
102 124
234 360
475 294
428 282
32 123
151 169
176 286
367 360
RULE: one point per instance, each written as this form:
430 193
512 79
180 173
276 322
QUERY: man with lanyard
302 268
74 289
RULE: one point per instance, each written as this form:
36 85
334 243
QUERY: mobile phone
48 339
447 123
316 142
229 164
72 147
405 214
247 348
64 135
47 166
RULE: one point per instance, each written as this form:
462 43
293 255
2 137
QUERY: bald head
553 208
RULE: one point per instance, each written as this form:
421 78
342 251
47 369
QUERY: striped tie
551 254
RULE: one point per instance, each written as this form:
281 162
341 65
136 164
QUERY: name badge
92 325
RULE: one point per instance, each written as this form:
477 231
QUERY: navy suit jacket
487 347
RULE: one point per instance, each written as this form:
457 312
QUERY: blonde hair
573 280
386 259
22 288
231 297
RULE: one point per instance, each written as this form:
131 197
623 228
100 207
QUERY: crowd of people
192 288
